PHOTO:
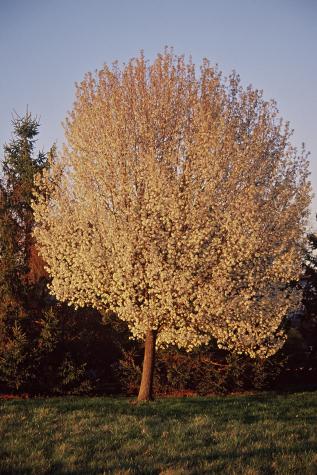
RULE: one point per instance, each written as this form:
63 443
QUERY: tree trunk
146 387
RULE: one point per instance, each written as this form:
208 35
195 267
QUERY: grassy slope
246 435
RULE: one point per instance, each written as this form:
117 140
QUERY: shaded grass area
264 434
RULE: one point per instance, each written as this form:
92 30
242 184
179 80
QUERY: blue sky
48 45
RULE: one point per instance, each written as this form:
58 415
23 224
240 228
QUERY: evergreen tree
20 267
300 349
309 321
19 166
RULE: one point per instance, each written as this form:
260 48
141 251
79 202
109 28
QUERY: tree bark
146 387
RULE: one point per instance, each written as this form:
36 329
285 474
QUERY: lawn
257 434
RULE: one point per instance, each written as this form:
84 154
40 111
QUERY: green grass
263 434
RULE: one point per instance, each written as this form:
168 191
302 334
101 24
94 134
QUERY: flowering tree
178 203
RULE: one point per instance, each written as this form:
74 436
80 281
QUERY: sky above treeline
47 46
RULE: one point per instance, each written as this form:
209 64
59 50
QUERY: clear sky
47 45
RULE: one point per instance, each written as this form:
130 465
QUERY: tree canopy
179 203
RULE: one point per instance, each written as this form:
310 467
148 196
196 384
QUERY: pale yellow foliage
178 203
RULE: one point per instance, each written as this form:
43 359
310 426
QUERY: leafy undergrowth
255 434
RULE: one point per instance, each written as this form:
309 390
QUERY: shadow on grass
219 461
194 447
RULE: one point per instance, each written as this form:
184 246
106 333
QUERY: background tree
308 322
310 279
20 266
179 204
301 346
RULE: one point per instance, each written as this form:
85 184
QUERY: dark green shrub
14 362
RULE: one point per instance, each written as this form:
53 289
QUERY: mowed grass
260 434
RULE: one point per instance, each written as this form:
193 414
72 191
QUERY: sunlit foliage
178 203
